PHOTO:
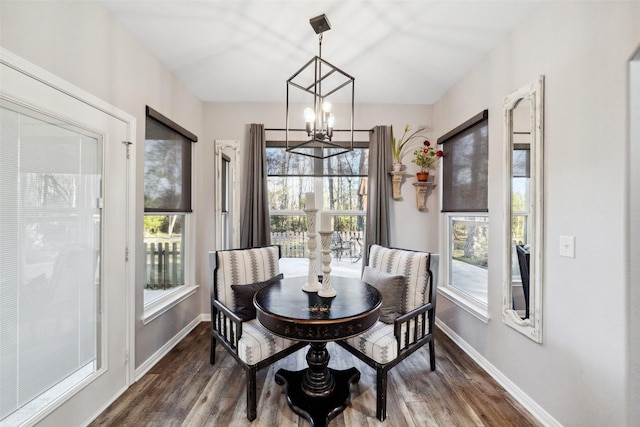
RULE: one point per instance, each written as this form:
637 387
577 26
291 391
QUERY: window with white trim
465 208
340 185
167 204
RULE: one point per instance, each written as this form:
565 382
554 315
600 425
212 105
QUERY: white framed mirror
524 167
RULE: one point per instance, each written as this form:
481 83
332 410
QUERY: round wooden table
318 393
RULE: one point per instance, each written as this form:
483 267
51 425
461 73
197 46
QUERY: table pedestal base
318 410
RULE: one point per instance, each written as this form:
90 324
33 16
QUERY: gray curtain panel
379 192
256 229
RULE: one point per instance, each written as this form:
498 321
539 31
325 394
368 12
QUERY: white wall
579 373
82 43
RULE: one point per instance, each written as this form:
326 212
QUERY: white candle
311 200
326 222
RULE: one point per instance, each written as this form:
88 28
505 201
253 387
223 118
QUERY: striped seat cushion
379 343
412 265
258 343
244 267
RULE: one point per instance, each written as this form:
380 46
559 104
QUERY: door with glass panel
63 282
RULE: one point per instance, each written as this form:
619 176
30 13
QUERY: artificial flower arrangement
407 136
427 157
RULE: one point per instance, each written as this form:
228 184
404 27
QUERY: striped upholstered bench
236 276
407 314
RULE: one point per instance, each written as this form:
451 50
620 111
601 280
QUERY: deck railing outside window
294 244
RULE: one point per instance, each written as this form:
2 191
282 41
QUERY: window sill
159 306
471 305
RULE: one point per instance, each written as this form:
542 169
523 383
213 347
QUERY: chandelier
315 86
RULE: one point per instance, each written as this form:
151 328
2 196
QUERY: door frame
45 77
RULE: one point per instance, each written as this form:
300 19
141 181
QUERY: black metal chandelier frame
320 143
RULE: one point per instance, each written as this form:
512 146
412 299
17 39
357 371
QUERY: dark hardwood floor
183 389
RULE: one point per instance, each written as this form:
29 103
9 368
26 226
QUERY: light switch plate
568 246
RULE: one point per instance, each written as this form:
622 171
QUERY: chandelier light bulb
309 118
309 115
327 121
330 122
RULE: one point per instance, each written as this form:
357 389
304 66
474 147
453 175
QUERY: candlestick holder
326 290
312 285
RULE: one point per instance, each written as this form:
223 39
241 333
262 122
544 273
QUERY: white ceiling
400 52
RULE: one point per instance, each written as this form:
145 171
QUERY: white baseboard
166 348
524 399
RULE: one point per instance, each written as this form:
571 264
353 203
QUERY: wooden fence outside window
164 266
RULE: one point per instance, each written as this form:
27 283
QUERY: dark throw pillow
391 287
243 297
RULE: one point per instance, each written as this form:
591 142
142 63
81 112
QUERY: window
464 204
224 200
340 181
167 204
468 253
